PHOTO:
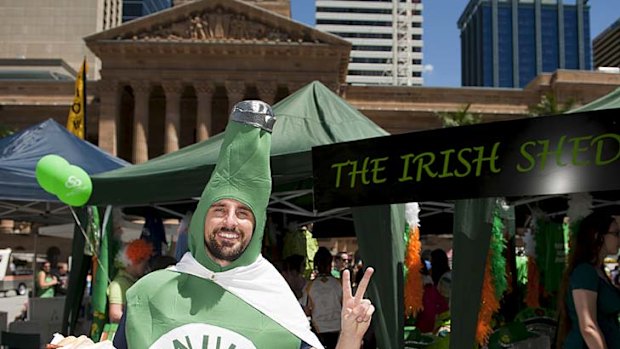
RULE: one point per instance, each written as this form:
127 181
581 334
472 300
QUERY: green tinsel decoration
566 230
498 261
406 239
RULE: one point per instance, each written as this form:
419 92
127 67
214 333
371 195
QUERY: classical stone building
169 80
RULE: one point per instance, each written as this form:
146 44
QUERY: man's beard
225 251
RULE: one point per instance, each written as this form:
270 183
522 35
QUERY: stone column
235 90
204 117
109 95
141 94
267 91
173 90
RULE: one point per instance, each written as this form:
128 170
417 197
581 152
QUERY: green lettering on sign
406 177
446 163
338 167
527 156
376 169
577 149
599 141
491 159
425 166
465 163
546 152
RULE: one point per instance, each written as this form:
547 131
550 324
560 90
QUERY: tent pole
34 264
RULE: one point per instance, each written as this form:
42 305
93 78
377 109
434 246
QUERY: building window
367 72
350 22
354 10
364 35
371 48
368 60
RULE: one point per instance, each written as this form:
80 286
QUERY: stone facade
169 80
281 7
405 109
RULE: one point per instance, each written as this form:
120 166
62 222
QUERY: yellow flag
77 113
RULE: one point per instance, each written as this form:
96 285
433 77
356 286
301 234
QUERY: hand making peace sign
356 311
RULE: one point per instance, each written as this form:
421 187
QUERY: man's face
343 261
229 225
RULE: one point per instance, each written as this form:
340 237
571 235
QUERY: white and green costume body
200 305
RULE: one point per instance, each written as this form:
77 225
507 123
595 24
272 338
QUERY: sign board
533 156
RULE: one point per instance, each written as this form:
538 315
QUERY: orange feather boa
532 297
414 289
489 305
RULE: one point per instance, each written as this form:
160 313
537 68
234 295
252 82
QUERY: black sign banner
535 156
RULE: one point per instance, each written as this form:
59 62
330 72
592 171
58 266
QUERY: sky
442 47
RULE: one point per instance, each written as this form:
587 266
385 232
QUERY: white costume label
202 336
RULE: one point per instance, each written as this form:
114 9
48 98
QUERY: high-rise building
34 29
386 38
133 9
606 47
506 43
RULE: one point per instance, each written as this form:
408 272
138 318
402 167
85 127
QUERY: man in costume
223 293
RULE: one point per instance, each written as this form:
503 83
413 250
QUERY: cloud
427 68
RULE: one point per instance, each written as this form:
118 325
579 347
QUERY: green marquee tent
312 116
608 101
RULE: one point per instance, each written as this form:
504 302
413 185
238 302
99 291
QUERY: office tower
386 38
506 43
34 29
133 9
606 47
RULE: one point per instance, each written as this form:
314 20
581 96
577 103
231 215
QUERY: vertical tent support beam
380 232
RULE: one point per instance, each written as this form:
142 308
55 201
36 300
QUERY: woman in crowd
590 306
322 300
293 273
433 304
46 282
133 259
440 272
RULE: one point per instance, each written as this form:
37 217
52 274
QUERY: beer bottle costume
198 303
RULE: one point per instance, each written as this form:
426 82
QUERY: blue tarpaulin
20 152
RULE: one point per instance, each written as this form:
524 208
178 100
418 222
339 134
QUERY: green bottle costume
198 303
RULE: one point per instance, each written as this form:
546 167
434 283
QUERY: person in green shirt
46 281
134 258
589 313
223 293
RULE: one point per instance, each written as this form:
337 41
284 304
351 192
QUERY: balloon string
90 244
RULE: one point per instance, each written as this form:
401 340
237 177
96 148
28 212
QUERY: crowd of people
220 271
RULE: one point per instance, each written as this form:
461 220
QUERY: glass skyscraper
506 43
133 9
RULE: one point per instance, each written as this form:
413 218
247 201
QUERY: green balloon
48 172
76 188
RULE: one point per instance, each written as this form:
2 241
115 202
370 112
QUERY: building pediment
216 21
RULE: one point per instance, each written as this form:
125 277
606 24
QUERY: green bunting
498 261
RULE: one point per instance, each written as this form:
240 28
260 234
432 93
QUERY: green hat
242 173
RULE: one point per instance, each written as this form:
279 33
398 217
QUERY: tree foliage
460 117
549 105
5 131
